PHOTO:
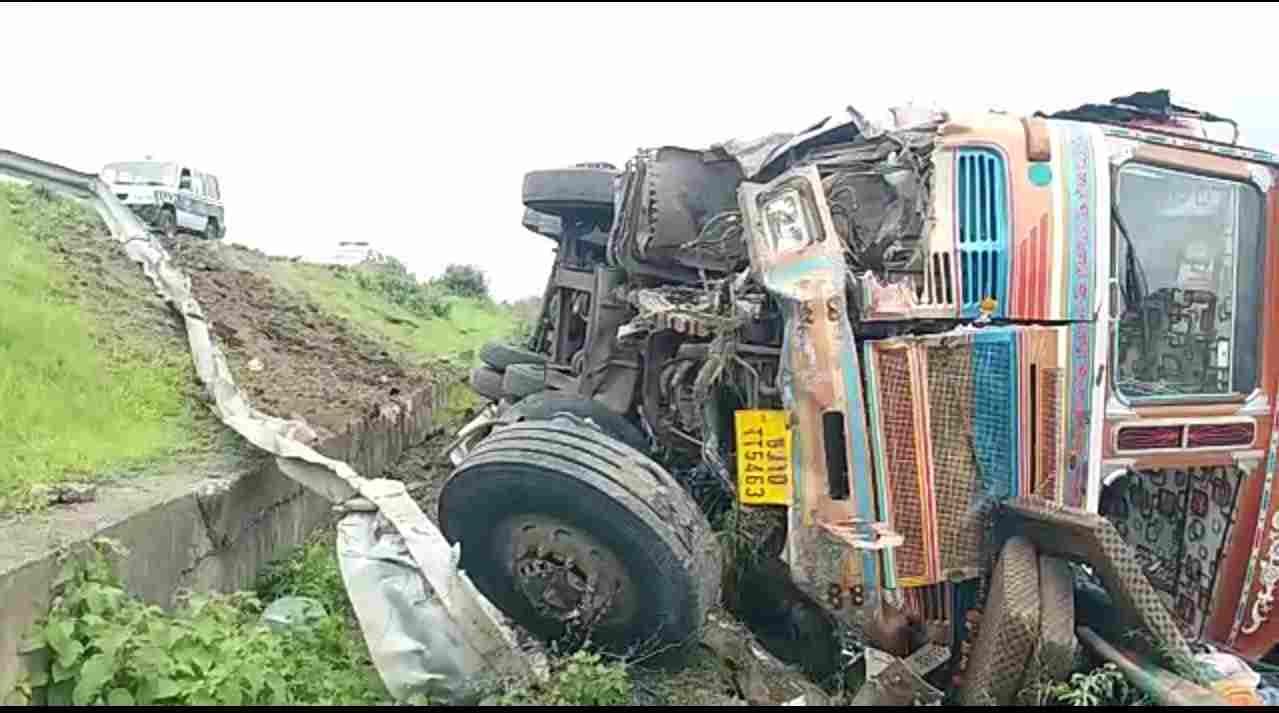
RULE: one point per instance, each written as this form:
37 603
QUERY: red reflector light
1148 438
1228 434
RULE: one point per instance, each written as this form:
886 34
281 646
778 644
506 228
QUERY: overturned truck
966 372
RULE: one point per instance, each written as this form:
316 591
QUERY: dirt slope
290 357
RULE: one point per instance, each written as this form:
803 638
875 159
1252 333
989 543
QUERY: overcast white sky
411 126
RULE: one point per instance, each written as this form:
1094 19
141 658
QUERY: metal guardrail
427 627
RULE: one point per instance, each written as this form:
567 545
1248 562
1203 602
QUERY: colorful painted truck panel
1112 353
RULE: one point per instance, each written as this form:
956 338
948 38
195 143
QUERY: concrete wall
207 531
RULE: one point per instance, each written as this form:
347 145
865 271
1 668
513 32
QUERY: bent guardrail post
429 630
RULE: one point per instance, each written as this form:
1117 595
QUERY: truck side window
184 183
1189 265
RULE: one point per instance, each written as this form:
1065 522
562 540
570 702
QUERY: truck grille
981 197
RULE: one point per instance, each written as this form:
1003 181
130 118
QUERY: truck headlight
787 222
788 214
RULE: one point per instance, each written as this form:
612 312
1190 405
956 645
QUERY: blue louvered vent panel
982 217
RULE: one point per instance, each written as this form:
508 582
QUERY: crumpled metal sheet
402 612
762 159
463 638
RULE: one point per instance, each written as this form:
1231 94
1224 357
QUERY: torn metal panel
676 216
409 623
893 682
799 258
785 156
752 153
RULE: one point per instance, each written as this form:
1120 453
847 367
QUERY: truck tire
1010 628
547 226
523 380
487 383
213 230
555 519
560 190
501 356
545 406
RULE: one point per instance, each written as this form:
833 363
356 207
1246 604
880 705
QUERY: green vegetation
1102 686
417 320
464 281
86 391
582 679
106 647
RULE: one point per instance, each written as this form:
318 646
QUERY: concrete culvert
574 534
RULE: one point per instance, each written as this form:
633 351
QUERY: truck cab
881 336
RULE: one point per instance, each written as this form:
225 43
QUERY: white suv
169 196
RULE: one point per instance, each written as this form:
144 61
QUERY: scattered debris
289 612
1164 687
67 493
761 678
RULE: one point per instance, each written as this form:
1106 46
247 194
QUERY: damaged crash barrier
428 629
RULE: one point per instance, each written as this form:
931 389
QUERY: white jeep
169 196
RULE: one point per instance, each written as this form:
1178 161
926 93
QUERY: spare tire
487 383
523 380
542 224
565 529
562 190
501 356
545 406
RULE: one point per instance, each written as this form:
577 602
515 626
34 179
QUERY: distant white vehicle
169 196
352 252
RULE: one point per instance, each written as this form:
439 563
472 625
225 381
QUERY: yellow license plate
764 472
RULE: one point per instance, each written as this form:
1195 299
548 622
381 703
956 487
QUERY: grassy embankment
95 379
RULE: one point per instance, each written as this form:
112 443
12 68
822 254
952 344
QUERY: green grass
469 324
79 399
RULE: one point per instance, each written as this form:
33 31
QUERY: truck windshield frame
1191 334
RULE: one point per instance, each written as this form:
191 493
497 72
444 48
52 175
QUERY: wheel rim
565 575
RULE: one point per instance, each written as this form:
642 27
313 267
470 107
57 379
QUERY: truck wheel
1010 628
212 230
567 189
547 226
501 356
545 406
167 223
487 383
522 380
572 533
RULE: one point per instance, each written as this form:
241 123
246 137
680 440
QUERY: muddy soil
291 359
